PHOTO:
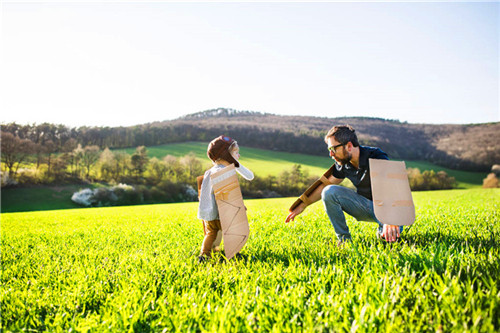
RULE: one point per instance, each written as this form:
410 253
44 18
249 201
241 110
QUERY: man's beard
345 160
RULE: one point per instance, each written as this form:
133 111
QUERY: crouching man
351 161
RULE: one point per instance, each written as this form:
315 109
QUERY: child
223 151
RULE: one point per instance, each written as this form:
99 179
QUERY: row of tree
477 150
429 180
90 163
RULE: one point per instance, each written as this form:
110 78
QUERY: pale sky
127 63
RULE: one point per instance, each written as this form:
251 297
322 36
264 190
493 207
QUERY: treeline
429 180
295 181
49 138
25 162
91 164
465 147
58 158
170 179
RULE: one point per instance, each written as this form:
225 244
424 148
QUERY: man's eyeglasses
333 148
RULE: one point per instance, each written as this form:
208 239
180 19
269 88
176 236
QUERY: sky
122 63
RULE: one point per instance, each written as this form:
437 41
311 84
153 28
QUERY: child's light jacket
207 209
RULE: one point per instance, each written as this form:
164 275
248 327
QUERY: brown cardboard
305 196
232 211
392 200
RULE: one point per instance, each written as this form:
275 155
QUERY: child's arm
244 172
207 208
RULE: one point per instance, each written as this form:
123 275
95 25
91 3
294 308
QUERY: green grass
134 269
261 162
265 162
40 198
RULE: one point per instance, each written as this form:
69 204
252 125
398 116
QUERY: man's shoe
343 242
202 259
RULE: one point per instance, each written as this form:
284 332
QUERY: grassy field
261 162
135 269
40 198
266 162
35 198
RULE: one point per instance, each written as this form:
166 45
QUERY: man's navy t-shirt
360 177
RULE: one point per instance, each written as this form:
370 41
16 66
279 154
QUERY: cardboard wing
392 200
305 196
232 212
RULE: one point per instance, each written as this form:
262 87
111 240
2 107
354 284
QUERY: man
351 161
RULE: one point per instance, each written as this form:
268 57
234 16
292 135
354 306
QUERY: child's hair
220 148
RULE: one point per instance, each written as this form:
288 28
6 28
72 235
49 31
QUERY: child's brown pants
210 228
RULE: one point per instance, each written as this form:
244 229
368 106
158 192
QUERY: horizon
138 63
242 111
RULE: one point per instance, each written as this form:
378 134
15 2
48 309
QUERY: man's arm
313 197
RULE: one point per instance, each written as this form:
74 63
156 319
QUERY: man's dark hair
343 134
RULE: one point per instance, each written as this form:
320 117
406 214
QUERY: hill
473 147
466 147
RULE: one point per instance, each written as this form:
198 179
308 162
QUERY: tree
139 160
106 163
89 158
415 178
77 157
15 151
174 167
59 166
193 167
496 169
283 181
157 170
491 181
49 148
121 166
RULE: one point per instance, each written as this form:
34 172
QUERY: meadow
135 269
266 162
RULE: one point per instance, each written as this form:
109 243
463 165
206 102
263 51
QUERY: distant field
39 198
134 269
266 162
261 162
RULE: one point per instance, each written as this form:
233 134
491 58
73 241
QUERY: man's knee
331 192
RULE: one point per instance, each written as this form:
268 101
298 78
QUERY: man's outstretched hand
390 233
291 216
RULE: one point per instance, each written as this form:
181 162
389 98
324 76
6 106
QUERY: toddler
223 151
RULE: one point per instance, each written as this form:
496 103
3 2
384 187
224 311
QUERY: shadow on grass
437 252
476 242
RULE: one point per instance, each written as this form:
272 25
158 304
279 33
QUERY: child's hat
219 147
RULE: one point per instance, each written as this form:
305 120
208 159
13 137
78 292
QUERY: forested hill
468 147
474 147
